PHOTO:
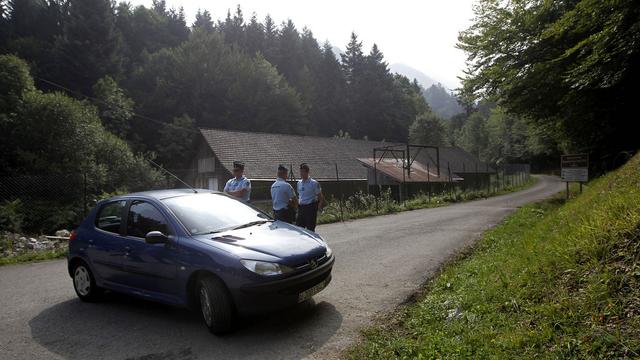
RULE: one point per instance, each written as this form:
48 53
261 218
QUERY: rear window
110 216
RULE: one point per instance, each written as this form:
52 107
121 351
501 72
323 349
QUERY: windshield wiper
249 224
252 223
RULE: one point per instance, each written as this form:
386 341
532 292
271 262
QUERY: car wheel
215 305
84 283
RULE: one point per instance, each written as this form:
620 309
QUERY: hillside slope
554 280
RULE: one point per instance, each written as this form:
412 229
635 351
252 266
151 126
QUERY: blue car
198 249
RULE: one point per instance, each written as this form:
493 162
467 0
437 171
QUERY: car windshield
211 213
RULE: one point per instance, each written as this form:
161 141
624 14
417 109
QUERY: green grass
34 256
362 205
554 280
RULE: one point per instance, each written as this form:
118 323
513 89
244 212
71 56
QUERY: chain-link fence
42 204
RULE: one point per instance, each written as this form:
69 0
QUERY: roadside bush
56 138
11 215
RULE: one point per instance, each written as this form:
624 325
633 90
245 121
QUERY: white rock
63 233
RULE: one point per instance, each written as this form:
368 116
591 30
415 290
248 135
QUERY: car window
144 217
206 213
110 216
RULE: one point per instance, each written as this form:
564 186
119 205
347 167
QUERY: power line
77 93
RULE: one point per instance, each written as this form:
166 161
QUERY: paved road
380 262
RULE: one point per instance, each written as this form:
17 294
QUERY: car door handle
127 249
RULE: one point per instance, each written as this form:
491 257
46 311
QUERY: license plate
307 294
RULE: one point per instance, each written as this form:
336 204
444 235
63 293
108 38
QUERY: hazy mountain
442 102
412 73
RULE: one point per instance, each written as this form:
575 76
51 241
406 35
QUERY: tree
353 60
55 134
90 45
427 129
255 36
233 28
288 60
507 137
203 21
329 112
15 83
114 107
564 64
474 137
148 30
176 142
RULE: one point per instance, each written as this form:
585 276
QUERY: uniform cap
238 165
282 168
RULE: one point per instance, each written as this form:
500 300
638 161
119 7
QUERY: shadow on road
121 327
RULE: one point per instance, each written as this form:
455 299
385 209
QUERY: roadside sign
574 168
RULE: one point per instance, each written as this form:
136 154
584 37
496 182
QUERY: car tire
84 283
216 305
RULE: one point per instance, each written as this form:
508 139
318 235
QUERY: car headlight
265 268
329 251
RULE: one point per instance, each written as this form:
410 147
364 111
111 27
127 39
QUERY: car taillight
73 235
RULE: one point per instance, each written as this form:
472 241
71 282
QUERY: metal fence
45 203
42 204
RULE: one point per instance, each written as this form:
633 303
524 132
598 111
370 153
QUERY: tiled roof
262 152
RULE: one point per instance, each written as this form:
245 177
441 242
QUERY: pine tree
288 60
255 36
352 59
90 45
203 21
270 40
233 28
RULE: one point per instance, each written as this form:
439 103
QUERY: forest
555 80
152 79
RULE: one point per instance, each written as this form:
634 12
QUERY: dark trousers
286 215
307 216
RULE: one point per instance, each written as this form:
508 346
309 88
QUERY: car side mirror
156 237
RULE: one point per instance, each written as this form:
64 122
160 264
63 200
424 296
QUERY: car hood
272 241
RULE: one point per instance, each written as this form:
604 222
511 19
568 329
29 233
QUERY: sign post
574 168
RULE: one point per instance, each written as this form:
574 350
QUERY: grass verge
554 280
33 256
362 205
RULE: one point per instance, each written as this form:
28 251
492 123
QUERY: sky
421 34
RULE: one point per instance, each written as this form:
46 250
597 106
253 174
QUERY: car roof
165 194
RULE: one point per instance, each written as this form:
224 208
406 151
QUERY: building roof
419 173
262 152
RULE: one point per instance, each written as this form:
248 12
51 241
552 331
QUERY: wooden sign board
574 168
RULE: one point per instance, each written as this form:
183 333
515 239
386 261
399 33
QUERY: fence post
339 192
489 177
464 171
504 179
429 182
450 184
477 178
84 193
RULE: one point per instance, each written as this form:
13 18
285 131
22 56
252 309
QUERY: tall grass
362 205
553 280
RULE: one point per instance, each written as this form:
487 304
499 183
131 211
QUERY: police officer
311 199
284 198
238 186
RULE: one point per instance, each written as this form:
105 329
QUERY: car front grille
312 263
